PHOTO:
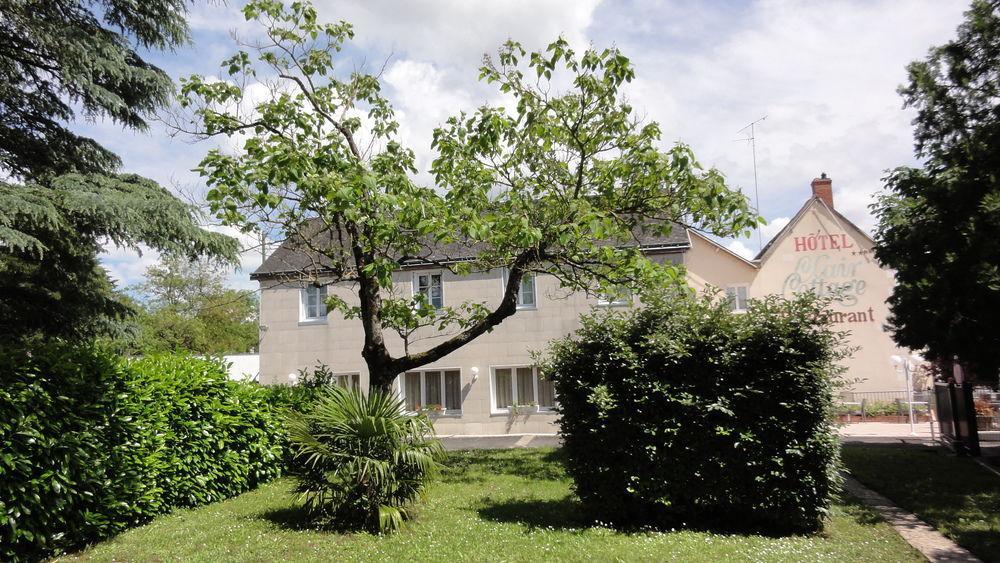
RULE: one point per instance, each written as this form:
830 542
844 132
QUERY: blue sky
823 72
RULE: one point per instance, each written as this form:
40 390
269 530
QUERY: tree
62 197
558 183
61 57
51 282
187 308
939 225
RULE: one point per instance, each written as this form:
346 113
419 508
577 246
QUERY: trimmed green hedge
684 414
93 444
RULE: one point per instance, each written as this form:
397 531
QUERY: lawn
955 495
506 505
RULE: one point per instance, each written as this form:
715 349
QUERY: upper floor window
737 296
312 303
430 286
621 297
526 293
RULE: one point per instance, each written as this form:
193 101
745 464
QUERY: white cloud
825 74
739 248
773 227
126 266
458 32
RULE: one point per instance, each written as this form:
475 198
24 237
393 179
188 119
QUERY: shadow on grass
858 511
568 514
563 514
289 518
477 466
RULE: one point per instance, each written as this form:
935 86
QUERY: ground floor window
738 298
521 386
432 391
347 380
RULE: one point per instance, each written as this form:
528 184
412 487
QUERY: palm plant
364 460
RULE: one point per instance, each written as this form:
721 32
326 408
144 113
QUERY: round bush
684 414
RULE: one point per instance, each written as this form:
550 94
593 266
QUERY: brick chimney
823 189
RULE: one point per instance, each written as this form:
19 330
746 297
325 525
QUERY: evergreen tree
939 225
63 198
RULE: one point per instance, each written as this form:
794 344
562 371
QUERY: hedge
93 444
684 414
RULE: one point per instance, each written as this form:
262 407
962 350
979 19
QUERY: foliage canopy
939 225
559 180
62 199
186 307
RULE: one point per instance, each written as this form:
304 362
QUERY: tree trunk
380 376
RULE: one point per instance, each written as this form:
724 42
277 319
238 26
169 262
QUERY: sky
822 74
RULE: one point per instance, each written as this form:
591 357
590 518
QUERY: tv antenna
752 139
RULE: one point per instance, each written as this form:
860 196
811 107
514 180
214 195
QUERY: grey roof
293 256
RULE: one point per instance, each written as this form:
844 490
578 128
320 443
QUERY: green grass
499 505
955 495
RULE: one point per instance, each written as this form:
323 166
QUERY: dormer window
429 285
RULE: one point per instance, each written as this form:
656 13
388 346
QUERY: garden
497 505
654 461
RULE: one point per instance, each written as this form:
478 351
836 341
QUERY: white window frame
623 299
521 306
304 317
401 389
415 286
734 298
513 387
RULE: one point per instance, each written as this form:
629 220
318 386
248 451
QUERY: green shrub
364 461
93 445
684 414
301 397
204 438
881 408
64 437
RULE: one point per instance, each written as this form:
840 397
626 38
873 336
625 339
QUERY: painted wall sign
822 242
827 276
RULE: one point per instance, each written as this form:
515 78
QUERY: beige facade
822 251
819 248
290 343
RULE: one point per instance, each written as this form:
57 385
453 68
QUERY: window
312 307
621 297
521 386
737 297
433 391
347 380
430 286
526 293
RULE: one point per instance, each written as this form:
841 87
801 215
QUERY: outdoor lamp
475 373
293 378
